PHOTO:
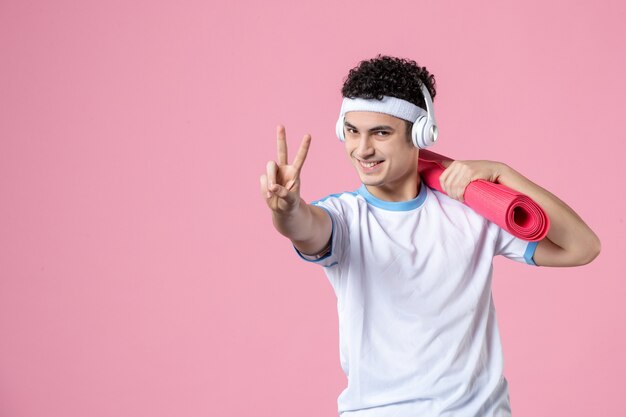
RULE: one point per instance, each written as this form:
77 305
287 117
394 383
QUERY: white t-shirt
417 325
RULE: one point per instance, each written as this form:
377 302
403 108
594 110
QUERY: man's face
379 149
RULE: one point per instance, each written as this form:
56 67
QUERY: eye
351 130
382 133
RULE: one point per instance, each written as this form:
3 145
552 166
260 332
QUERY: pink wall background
139 271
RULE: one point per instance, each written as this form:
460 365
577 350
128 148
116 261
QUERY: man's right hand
308 227
280 186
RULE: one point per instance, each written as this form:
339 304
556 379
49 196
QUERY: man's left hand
458 174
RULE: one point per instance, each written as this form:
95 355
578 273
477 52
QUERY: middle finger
281 141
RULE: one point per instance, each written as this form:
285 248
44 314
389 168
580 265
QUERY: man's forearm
308 227
296 225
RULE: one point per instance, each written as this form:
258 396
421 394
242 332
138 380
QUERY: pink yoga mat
514 212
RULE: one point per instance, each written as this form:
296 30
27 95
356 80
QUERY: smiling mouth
369 164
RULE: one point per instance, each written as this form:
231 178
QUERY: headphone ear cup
339 129
424 133
417 133
430 133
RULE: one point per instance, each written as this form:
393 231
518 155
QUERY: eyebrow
375 128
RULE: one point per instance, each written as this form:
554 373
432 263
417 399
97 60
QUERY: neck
407 190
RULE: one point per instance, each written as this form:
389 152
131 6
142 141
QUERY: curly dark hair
389 76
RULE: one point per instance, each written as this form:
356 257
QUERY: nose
364 148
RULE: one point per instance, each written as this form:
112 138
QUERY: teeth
369 164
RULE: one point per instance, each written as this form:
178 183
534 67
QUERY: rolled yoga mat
516 213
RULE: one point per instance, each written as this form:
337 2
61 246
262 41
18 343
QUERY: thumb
284 193
446 163
291 184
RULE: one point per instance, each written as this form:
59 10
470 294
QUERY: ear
408 132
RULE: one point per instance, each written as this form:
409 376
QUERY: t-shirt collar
394 205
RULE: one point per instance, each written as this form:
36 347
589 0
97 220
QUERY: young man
411 267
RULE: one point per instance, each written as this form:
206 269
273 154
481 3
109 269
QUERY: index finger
302 152
281 141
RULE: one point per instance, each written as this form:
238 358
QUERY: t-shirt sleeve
513 247
338 238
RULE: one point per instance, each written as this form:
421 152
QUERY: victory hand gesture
280 186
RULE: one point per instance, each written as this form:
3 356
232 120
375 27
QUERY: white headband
393 106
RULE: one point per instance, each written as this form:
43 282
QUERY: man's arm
307 226
569 242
